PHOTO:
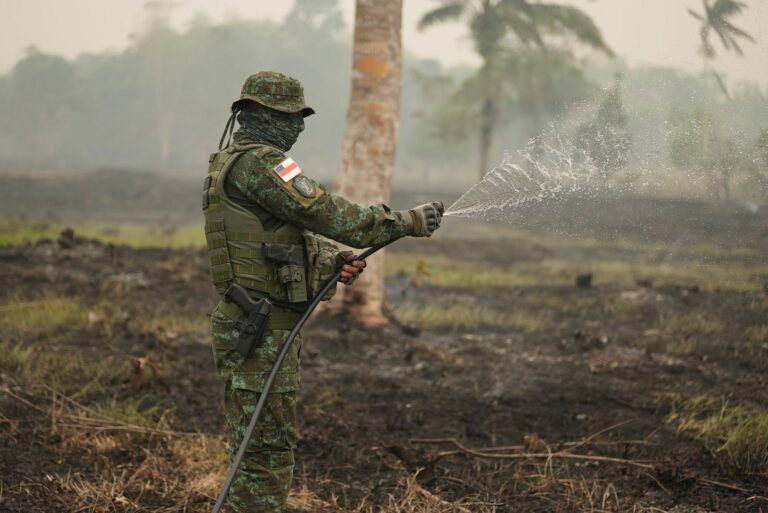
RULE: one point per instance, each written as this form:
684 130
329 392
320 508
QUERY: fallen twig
719 484
603 431
521 447
547 456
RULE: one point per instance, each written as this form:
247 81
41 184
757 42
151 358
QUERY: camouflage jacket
253 179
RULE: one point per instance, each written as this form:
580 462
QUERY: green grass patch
736 435
444 271
33 354
684 347
14 233
621 308
37 366
46 318
470 317
447 272
708 277
689 324
178 324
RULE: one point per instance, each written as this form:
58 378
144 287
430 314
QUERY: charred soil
514 392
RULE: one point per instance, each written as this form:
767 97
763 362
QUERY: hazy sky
642 31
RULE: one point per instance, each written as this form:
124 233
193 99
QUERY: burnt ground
557 366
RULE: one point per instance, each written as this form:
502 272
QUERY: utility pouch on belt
253 323
322 264
291 269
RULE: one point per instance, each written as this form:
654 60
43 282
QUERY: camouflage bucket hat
276 91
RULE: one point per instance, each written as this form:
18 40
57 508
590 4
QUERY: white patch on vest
287 170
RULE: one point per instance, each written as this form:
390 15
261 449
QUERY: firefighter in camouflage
259 205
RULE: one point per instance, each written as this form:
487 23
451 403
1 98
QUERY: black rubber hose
273 374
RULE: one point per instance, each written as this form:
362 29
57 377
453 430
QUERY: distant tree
761 158
40 93
606 137
161 75
697 144
321 15
499 25
716 17
533 85
368 151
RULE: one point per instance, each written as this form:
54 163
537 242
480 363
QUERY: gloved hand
426 218
352 269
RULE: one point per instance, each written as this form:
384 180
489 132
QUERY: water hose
273 374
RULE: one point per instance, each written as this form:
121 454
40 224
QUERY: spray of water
582 174
549 167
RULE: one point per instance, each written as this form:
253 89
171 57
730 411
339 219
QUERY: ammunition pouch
322 264
290 263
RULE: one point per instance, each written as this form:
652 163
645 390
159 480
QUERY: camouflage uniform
281 209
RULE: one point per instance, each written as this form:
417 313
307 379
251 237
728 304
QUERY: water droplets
550 166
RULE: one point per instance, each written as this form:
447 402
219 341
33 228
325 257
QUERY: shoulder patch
305 186
287 170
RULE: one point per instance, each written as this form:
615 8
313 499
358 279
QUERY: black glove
426 218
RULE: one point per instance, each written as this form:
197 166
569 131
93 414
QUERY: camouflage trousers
265 474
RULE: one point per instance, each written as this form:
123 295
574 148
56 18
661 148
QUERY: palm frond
696 15
450 11
560 19
716 18
519 23
521 18
736 46
723 35
736 31
721 83
706 44
726 8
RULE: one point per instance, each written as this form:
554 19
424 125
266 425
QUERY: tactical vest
288 264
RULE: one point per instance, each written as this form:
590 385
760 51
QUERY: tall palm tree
499 25
716 18
368 151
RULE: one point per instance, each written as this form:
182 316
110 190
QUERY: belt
279 319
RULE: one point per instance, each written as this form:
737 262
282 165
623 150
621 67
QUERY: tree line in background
161 103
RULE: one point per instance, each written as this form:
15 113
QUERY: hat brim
305 111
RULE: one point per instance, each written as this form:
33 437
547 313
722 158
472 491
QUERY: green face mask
273 127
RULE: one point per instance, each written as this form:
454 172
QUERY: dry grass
684 347
758 334
168 471
176 324
411 497
174 475
736 435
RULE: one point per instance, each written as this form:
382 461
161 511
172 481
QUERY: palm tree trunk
725 183
368 150
487 126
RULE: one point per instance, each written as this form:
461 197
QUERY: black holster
253 323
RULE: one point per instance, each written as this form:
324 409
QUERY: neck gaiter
272 127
